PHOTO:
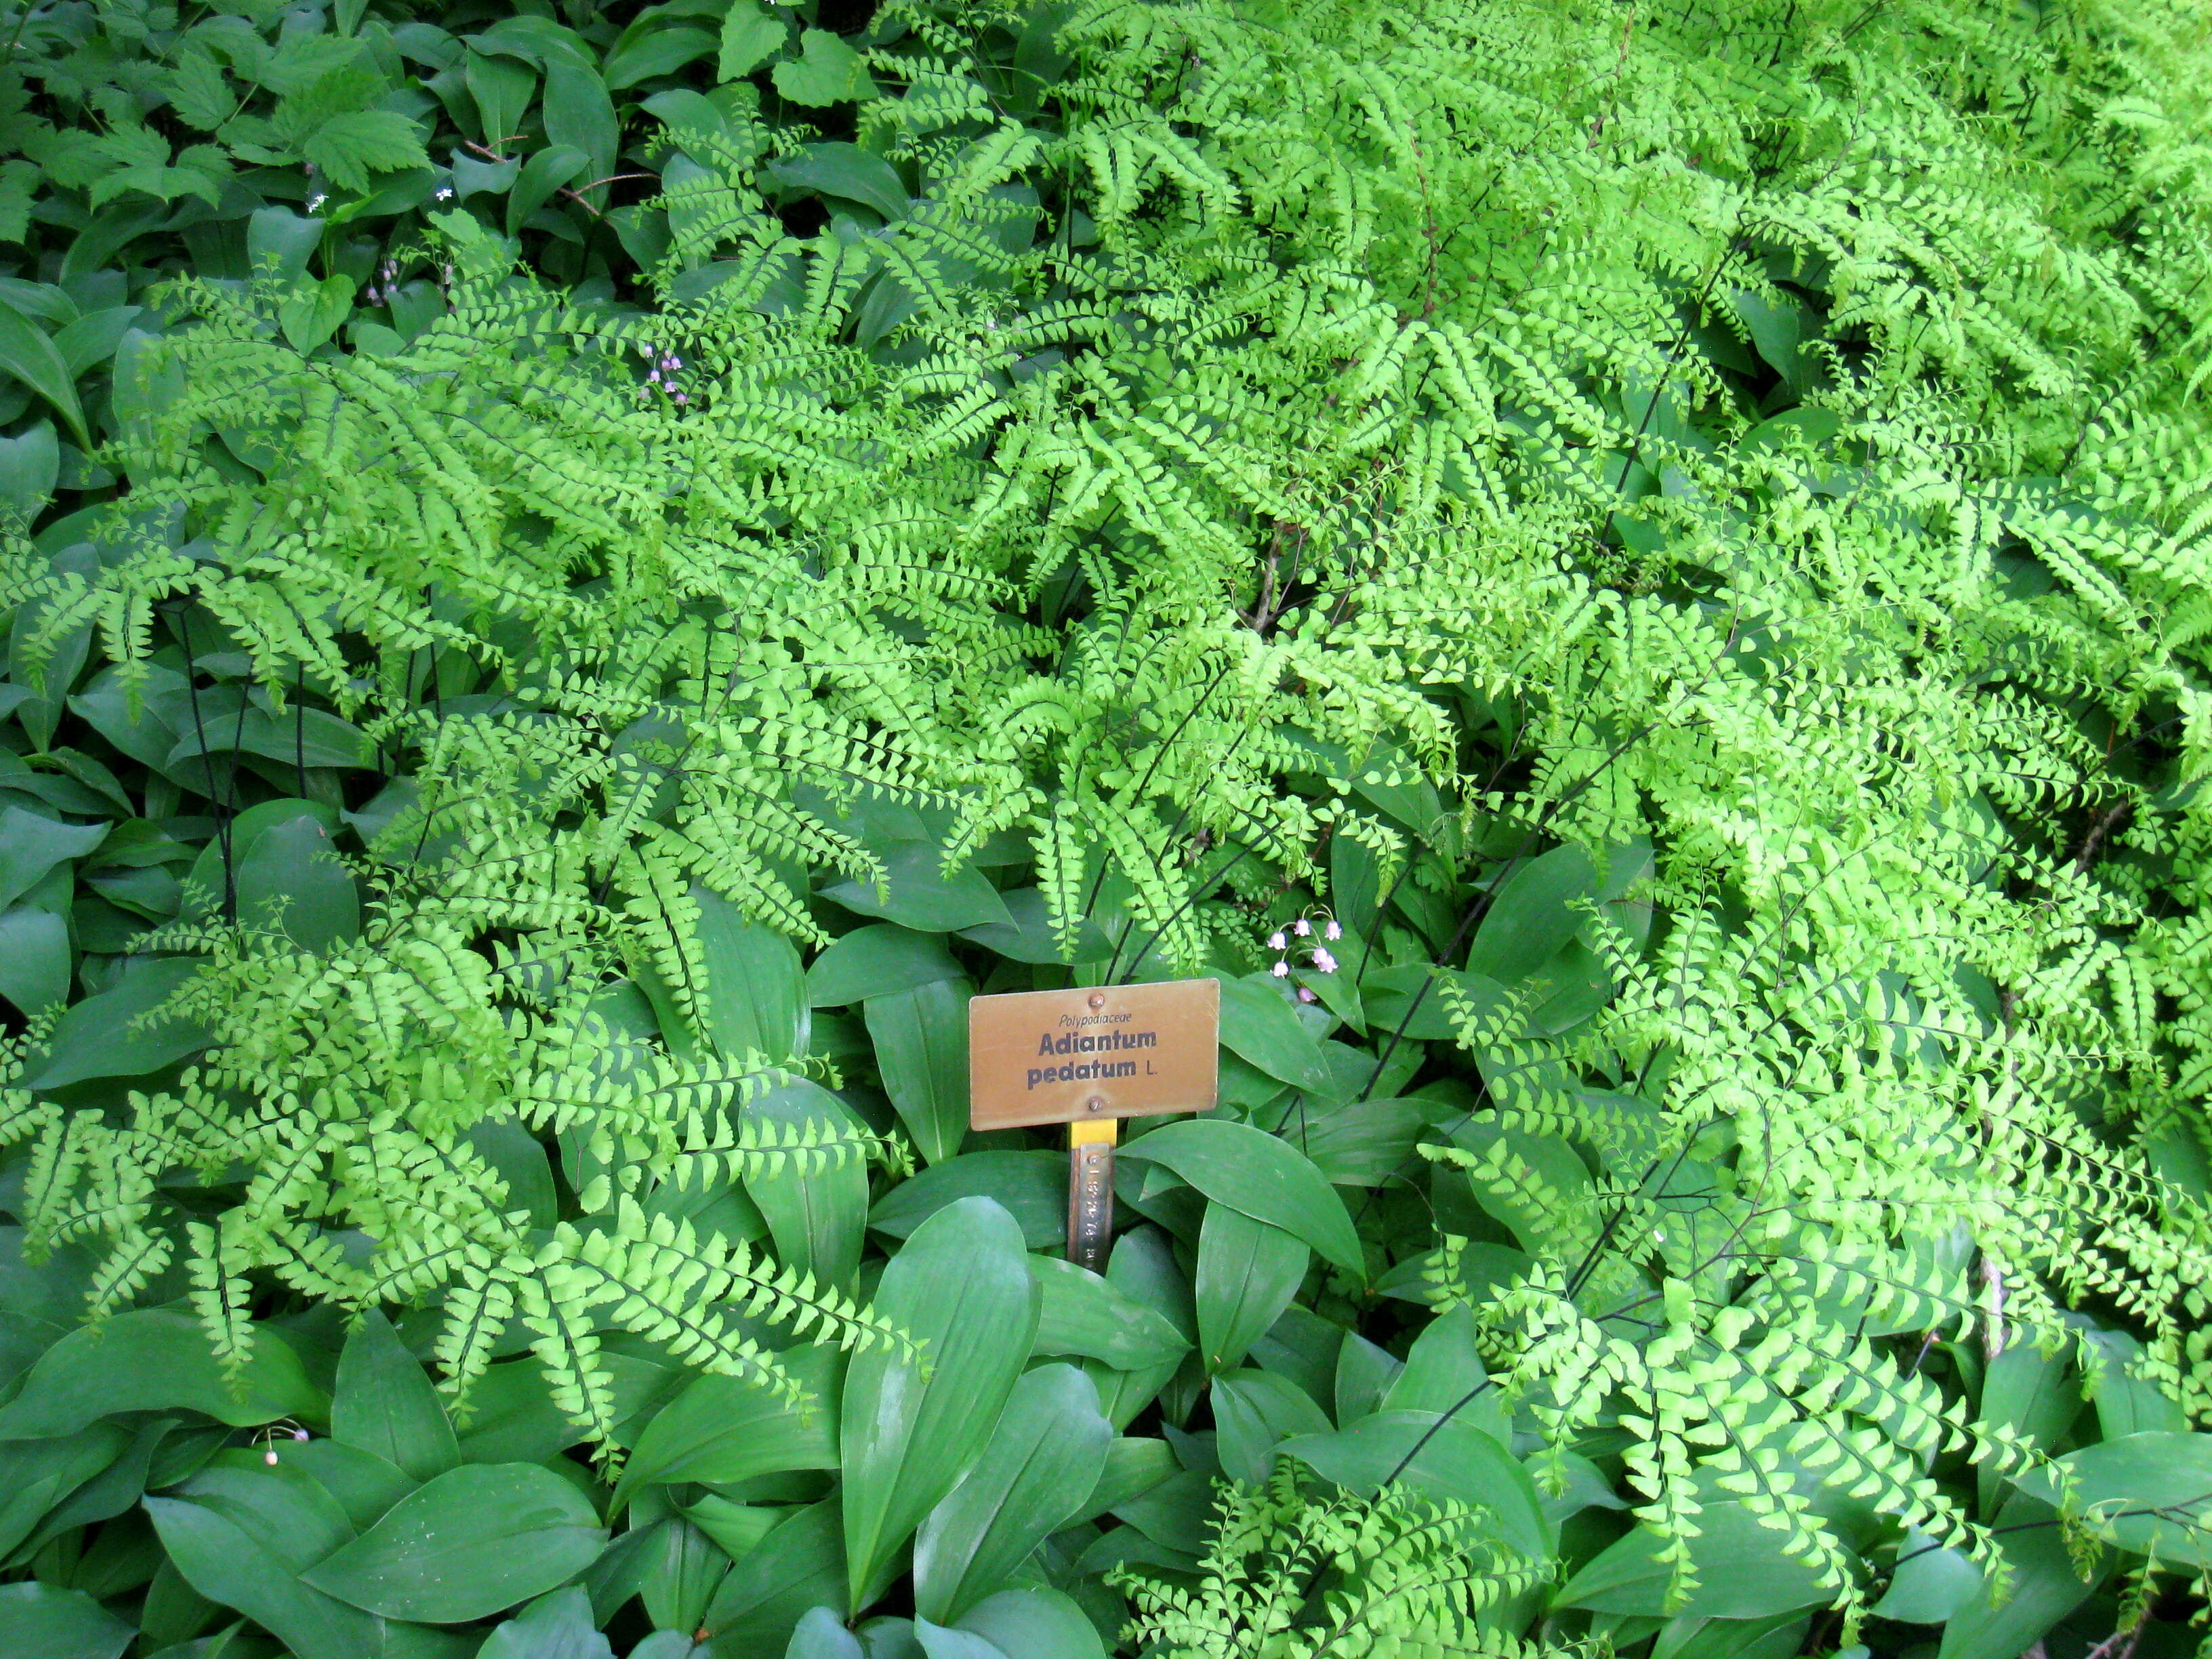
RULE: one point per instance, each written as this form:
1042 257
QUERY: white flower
1325 962
1281 970
1332 931
445 193
1302 927
315 202
1277 942
1305 995
681 398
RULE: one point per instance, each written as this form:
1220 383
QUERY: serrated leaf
749 35
828 71
197 92
348 148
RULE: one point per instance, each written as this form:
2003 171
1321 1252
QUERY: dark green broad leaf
281 1504
798 1566
737 1528
1931 1583
1444 1457
1742 1572
1177 1513
115 1033
1143 1267
44 1621
155 1360
1778 329
721 1430
36 1475
35 959
1248 1272
1444 1373
756 1001
822 1635
1255 1412
2147 1494
1133 1465
386 1404
30 356
313 310
682 1566
914 1424
510 1417
1029 937
364 1485
1261 1025
1083 1313
1416 1000
1032 1478
578 112
876 961
519 1158
921 1036
2037 1397
845 170
231 1557
474 1540
31 844
653 50
1261 1174
556 1626
2126 1403
1360 1145
1529 920
1030 1186
279 243
917 893
818 1215
290 881
1030 1622
2042 1589
299 737
29 463
1363 1373
117 1486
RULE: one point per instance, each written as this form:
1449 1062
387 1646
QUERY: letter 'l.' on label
1102 1052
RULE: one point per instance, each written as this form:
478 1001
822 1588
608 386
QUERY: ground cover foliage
1631 580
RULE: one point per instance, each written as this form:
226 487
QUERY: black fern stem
300 727
222 814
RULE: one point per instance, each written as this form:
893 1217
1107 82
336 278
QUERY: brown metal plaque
1116 1051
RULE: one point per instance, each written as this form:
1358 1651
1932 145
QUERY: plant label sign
1110 1051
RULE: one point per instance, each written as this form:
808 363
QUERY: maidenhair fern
1307 1578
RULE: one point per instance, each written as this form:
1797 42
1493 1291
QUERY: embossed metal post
1090 1190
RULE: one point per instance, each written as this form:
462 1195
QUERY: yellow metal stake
1090 1189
